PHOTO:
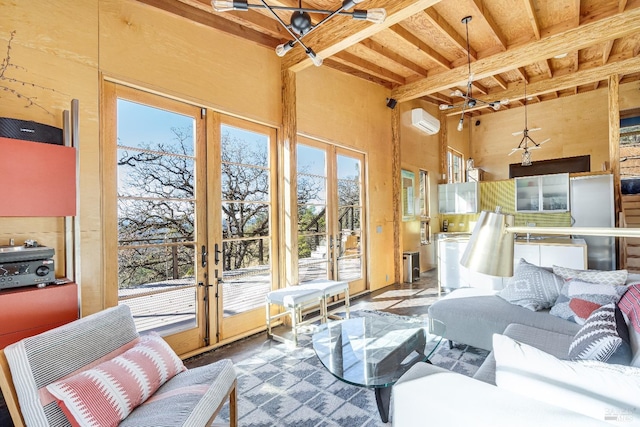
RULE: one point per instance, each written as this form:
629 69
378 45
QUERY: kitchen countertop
520 240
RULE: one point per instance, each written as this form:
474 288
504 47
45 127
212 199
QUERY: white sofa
534 389
529 386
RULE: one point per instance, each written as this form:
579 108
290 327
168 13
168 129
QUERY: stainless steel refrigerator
592 206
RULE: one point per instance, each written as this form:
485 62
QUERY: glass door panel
247 231
349 189
157 203
313 240
330 214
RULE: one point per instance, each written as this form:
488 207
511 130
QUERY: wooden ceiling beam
209 19
334 36
522 73
496 32
448 31
501 82
622 4
256 19
606 51
425 48
393 56
577 13
586 35
564 82
480 88
343 68
440 98
533 19
546 66
368 67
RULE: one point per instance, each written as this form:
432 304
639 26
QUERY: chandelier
300 23
526 143
468 100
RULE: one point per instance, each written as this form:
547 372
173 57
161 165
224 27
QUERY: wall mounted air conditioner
425 121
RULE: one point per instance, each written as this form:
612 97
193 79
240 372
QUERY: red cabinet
31 310
38 179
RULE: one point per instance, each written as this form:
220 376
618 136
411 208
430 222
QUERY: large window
455 166
630 147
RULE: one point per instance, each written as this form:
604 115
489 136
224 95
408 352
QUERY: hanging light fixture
469 100
300 23
526 143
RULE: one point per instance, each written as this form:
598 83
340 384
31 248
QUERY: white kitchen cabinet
452 275
543 193
550 252
458 198
547 252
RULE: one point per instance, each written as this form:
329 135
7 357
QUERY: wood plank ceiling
558 47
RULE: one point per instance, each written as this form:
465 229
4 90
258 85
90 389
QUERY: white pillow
603 391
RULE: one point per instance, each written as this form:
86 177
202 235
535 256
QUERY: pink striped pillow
104 395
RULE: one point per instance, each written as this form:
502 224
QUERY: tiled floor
404 299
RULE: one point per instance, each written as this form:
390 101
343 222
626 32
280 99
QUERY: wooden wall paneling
397 191
109 192
573 130
614 139
289 188
189 62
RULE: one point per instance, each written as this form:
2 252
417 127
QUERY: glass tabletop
375 351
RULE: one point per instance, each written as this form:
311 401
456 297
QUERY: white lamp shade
490 248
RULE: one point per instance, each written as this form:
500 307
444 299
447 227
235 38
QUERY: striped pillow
104 395
604 337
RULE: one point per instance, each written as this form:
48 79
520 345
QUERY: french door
189 216
155 207
244 223
331 214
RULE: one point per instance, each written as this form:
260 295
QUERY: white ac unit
424 121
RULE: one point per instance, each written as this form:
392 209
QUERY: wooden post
444 170
397 190
290 196
614 140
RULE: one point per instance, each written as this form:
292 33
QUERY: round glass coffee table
374 352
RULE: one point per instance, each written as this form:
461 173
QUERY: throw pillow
603 337
578 299
629 304
532 287
614 278
600 390
106 394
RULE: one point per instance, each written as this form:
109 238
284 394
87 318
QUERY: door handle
216 254
204 256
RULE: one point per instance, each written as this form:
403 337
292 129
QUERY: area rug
286 386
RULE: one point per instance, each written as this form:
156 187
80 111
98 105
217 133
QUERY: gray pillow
604 337
532 287
579 299
614 277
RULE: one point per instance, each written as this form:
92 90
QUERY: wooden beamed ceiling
558 48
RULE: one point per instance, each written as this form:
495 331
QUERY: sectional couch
527 378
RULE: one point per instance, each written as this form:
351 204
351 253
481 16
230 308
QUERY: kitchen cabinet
452 275
544 252
458 198
571 253
543 193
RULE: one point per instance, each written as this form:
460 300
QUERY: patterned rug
284 386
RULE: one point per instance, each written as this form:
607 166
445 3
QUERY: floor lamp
490 248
